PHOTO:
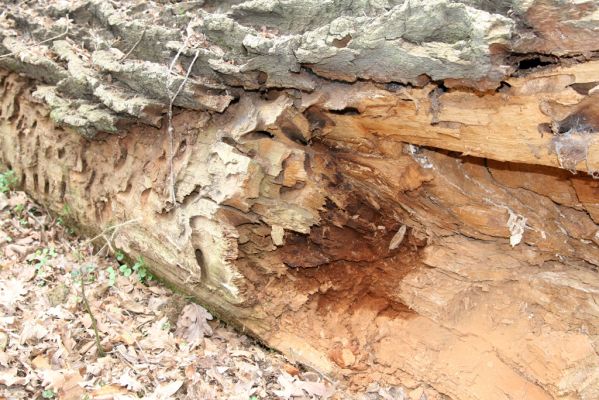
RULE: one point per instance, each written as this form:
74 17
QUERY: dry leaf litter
158 344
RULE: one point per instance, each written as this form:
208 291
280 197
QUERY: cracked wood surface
292 243
310 134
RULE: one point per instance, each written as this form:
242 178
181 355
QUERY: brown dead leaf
53 379
71 389
3 341
108 392
4 359
24 240
32 331
3 201
167 390
319 389
291 370
158 336
17 198
11 291
41 362
15 250
9 377
128 381
288 387
27 273
86 321
126 337
134 307
193 323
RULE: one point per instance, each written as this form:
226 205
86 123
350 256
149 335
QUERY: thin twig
42 42
100 351
42 227
135 45
109 242
170 129
113 228
186 76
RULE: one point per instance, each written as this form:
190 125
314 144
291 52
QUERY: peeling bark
371 190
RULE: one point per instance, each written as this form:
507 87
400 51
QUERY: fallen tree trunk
383 192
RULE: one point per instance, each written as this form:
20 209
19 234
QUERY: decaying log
397 191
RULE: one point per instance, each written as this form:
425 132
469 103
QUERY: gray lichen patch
439 38
117 99
119 55
150 79
85 117
298 16
33 62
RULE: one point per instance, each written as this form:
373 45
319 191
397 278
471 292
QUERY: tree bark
393 191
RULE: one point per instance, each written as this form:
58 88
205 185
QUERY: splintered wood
320 232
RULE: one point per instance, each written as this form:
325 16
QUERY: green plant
19 208
84 271
48 394
8 181
125 270
42 256
141 270
111 276
66 210
139 267
65 219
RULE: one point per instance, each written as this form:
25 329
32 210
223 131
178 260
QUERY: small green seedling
139 267
64 218
66 210
42 256
125 270
48 394
141 270
8 181
111 276
86 271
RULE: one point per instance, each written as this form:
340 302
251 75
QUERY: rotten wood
380 203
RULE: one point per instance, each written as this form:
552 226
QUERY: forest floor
156 343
